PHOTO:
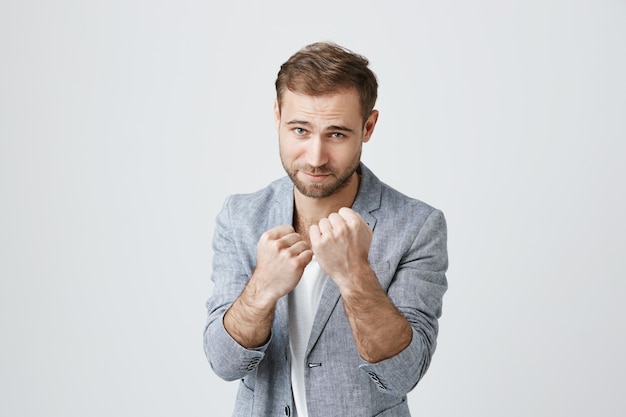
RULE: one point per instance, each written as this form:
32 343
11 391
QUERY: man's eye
337 135
299 131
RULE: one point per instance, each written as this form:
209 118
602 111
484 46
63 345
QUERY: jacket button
287 411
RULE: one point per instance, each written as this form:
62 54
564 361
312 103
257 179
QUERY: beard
340 179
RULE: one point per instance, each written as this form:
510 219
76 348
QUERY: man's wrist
358 281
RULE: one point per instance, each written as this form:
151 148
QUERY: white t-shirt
303 303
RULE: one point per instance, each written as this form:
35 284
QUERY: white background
125 124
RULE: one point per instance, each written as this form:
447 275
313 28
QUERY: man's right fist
282 255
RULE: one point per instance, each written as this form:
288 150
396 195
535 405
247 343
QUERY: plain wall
124 125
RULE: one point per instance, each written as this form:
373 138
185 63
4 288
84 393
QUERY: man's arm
341 243
233 270
282 256
396 356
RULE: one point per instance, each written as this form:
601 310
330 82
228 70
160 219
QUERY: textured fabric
303 303
409 256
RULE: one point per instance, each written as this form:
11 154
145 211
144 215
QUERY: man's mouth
316 176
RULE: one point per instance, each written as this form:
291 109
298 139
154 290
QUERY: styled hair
326 68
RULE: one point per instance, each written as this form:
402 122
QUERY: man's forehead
341 91
343 103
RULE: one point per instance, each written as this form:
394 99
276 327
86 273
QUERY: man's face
320 139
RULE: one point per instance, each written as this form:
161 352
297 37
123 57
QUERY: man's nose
317 152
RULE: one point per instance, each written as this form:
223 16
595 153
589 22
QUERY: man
328 283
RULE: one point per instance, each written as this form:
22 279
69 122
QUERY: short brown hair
325 68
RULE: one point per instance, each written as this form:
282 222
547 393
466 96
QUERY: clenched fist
282 255
341 244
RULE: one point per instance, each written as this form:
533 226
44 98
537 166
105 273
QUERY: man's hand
341 245
282 256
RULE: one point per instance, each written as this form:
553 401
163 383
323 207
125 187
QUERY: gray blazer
409 256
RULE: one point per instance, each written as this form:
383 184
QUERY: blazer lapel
328 301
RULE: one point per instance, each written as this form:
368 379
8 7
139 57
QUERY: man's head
325 68
324 113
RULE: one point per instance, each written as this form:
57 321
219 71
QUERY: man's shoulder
257 200
391 199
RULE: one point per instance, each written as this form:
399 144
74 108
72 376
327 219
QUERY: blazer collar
369 196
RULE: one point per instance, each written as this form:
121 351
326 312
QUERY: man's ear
276 114
369 126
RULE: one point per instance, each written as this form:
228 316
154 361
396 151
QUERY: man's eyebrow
298 122
341 128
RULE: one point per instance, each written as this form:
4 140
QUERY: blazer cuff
399 374
229 359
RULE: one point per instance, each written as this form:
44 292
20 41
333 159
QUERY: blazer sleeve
417 290
229 360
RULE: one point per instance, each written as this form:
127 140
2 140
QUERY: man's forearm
249 320
379 329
